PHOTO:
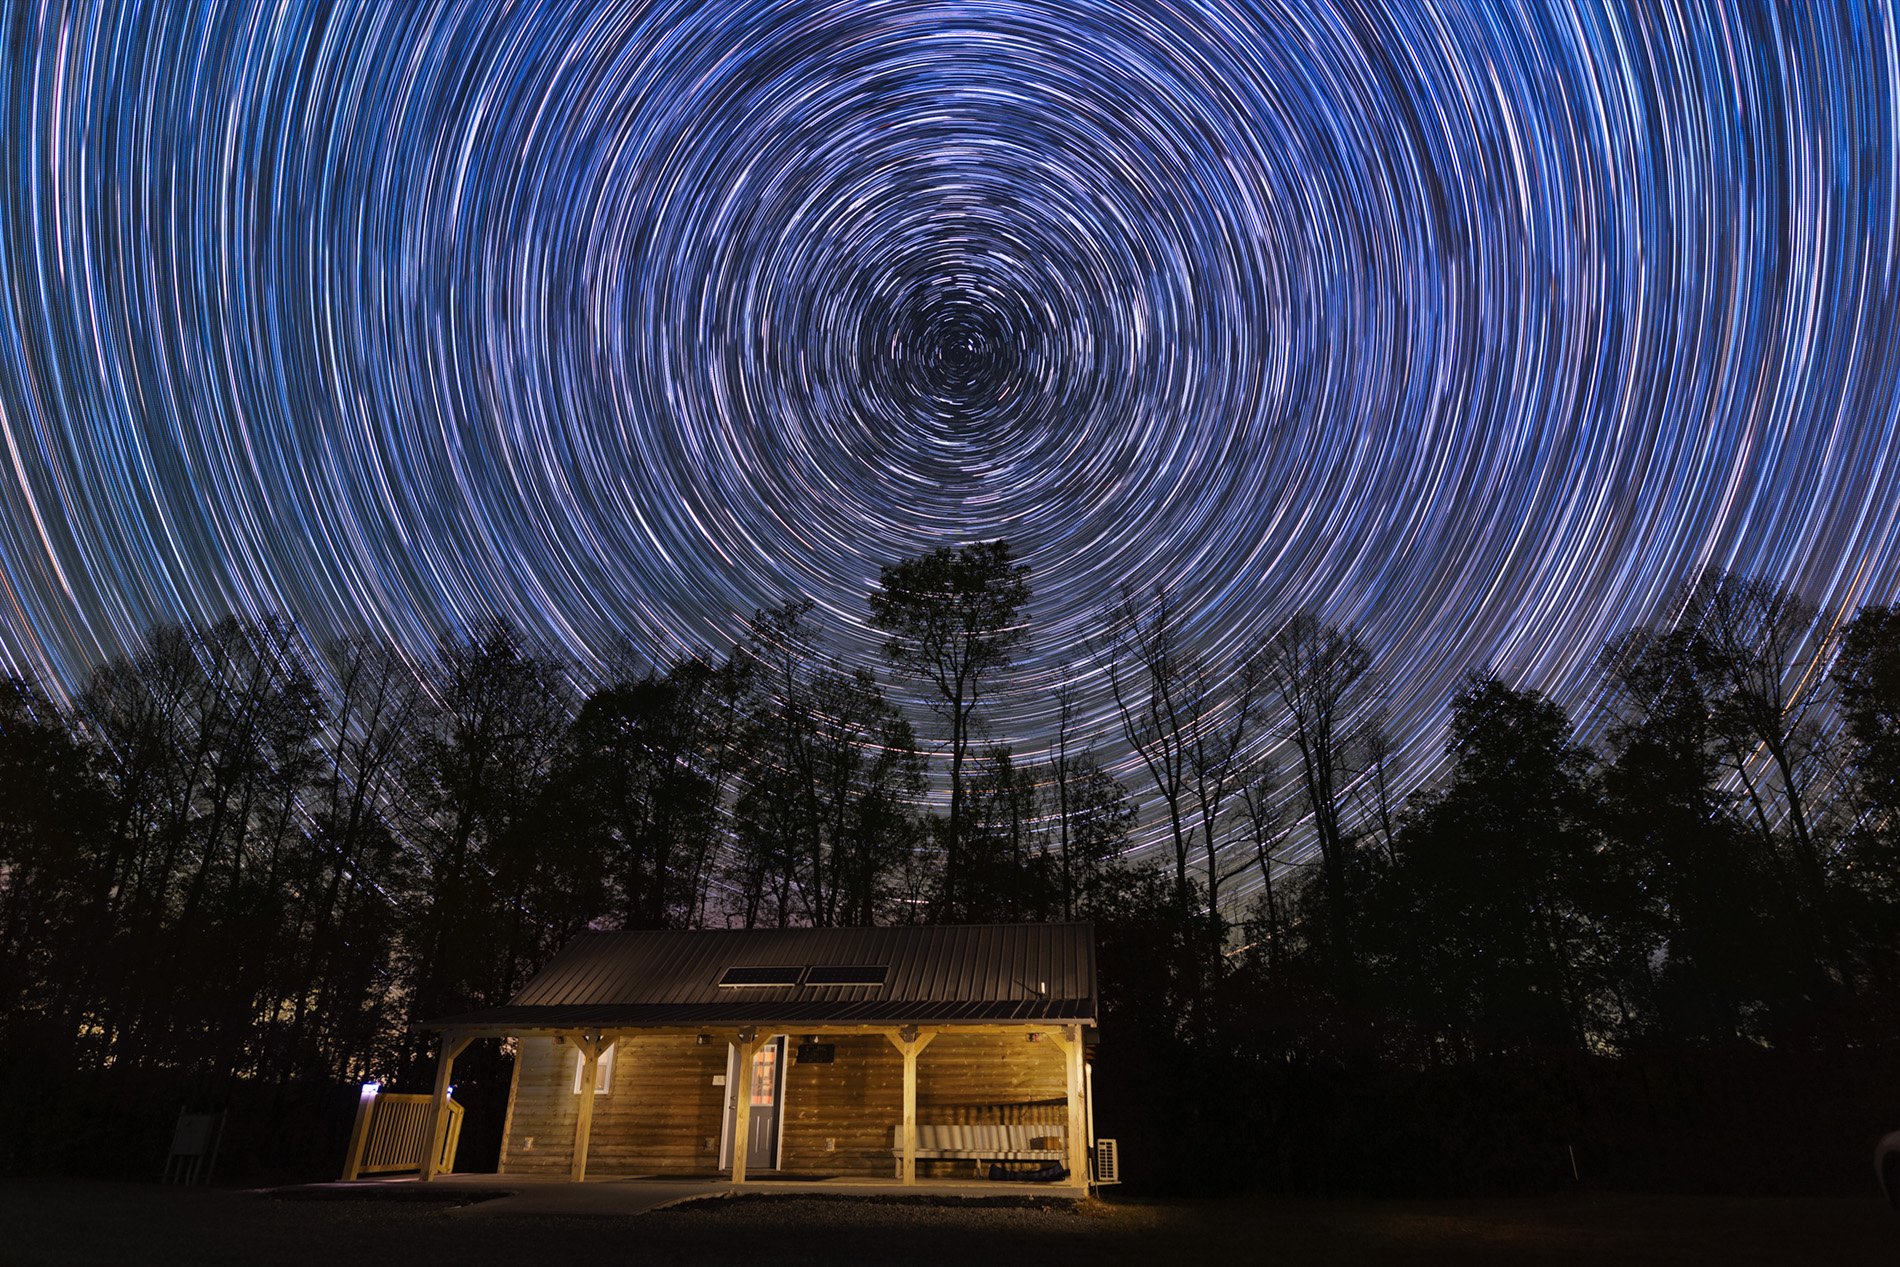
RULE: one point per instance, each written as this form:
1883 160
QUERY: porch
885 1106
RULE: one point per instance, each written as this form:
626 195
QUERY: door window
765 1076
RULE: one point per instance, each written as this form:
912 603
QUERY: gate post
359 1133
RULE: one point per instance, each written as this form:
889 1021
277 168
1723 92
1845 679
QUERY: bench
983 1141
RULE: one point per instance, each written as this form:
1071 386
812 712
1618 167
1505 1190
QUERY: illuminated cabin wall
662 1112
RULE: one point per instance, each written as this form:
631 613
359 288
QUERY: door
766 1087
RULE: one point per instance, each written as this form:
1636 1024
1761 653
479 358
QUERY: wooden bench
983 1141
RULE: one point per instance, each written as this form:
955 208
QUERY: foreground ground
58 1223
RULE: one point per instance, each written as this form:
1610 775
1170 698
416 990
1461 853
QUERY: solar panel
758 976
846 974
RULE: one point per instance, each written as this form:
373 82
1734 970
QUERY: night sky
1479 326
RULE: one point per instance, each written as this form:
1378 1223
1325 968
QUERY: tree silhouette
955 618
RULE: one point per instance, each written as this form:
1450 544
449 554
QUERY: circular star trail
1478 326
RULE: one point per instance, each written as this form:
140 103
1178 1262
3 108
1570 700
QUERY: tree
1005 864
1261 804
830 776
1216 751
209 735
1487 921
1867 672
954 617
1705 941
633 792
1092 812
1317 672
357 869
1756 638
477 793
1140 653
54 815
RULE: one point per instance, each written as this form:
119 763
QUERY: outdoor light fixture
703 1039
370 1089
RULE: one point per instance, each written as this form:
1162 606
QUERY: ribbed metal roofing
938 974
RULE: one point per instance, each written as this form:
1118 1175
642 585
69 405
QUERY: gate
392 1133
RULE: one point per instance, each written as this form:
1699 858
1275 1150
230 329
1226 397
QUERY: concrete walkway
621 1198
601 1199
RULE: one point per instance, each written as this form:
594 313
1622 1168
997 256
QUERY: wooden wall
838 1116
662 1114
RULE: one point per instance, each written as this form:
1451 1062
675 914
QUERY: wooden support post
1078 1118
451 1047
910 1114
747 1048
591 1044
911 1044
359 1132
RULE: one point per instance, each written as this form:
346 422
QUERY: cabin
896 1054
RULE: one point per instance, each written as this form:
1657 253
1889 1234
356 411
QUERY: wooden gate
392 1134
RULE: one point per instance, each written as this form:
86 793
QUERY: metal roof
938 974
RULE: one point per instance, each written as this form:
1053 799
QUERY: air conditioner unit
1108 1162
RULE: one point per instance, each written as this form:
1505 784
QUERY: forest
236 868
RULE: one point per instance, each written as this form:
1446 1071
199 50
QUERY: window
603 1072
737 977
765 1076
847 974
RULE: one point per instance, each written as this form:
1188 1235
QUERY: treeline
237 861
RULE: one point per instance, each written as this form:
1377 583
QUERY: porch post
1078 1122
908 1041
748 1047
451 1047
591 1044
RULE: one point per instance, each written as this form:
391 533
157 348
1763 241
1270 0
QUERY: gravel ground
89 1223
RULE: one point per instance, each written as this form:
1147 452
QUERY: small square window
603 1072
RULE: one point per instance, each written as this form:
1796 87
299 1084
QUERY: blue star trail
1478 326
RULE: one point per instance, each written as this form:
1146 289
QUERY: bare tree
1762 650
1377 750
1139 652
1189 720
1756 653
1222 728
1316 670
1260 801
1093 815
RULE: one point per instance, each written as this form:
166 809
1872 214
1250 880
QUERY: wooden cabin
881 1053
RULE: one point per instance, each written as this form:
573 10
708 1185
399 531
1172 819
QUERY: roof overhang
512 1021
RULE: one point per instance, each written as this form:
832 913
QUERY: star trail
1478 326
